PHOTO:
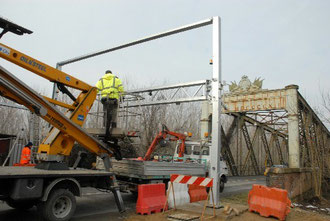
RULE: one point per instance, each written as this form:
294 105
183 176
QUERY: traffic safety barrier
151 198
269 201
24 165
197 193
181 195
193 181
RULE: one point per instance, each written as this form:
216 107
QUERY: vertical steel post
54 94
204 122
216 109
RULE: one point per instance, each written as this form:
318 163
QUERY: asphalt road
92 206
99 206
236 185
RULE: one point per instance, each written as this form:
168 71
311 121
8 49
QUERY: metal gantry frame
276 130
171 94
215 83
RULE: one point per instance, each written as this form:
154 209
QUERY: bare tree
325 107
12 120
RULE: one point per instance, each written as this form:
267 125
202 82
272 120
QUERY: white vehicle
200 152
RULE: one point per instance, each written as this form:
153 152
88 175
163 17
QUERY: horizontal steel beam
176 101
174 86
139 41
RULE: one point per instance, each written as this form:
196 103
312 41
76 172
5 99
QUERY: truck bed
21 172
135 168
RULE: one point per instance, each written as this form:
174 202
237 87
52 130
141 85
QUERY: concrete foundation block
297 181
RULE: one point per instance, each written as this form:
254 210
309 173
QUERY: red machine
162 136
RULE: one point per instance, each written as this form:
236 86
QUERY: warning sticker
4 50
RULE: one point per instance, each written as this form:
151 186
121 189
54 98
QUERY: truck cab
199 151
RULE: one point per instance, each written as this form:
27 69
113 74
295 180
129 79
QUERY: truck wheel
60 205
21 205
221 185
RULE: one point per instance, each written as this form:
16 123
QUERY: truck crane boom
162 136
66 127
42 69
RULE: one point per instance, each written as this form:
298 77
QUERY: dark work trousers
110 107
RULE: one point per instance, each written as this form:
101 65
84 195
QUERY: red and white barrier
181 195
192 180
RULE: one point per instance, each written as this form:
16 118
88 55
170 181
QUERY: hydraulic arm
162 136
67 127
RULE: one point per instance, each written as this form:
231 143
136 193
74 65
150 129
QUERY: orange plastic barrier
24 165
151 198
197 193
269 201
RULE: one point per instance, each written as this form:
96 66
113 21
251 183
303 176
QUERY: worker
111 89
26 154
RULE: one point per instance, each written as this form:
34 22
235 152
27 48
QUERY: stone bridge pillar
293 127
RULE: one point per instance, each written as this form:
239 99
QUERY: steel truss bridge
267 128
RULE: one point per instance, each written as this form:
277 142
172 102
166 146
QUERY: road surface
241 184
99 206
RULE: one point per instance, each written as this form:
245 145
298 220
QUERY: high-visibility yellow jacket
110 86
26 156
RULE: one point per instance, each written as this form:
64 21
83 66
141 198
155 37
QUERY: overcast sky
282 41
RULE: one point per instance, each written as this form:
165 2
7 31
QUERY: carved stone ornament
245 85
